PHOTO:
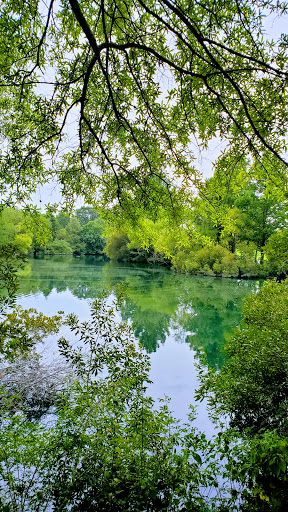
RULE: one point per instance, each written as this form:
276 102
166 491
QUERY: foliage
54 224
21 329
86 214
131 154
247 260
231 212
251 391
71 235
63 219
108 448
256 469
277 252
119 247
213 261
190 247
13 230
224 233
252 386
38 225
21 447
133 140
59 247
28 383
11 260
263 215
263 467
92 235
27 230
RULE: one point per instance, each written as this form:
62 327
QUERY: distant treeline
81 233
247 238
225 234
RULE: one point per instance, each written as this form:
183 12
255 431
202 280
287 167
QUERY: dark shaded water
172 314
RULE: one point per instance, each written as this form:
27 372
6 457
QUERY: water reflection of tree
150 326
216 312
201 311
65 272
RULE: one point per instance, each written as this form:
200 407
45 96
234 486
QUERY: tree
277 252
92 235
86 214
263 216
13 230
17 232
62 219
143 80
71 235
59 247
214 212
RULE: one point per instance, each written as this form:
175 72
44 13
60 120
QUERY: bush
108 449
251 391
119 248
58 247
183 261
213 261
276 251
246 258
252 386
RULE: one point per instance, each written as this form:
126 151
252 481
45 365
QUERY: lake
172 315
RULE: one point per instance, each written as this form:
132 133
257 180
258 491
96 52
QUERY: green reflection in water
201 311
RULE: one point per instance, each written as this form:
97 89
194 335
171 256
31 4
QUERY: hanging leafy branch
113 93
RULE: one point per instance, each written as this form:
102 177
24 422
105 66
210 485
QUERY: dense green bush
92 236
247 260
251 391
213 260
119 248
277 252
58 247
116 246
252 386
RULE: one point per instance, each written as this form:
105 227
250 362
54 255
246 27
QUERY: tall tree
263 216
92 236
86 214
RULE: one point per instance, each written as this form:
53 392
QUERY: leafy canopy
113 94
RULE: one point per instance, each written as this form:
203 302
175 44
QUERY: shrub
252 386
246 258
214 261
119 248
276 251
108 449
58 247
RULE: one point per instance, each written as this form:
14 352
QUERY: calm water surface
171 314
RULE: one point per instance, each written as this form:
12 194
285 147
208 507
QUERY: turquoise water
173 315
